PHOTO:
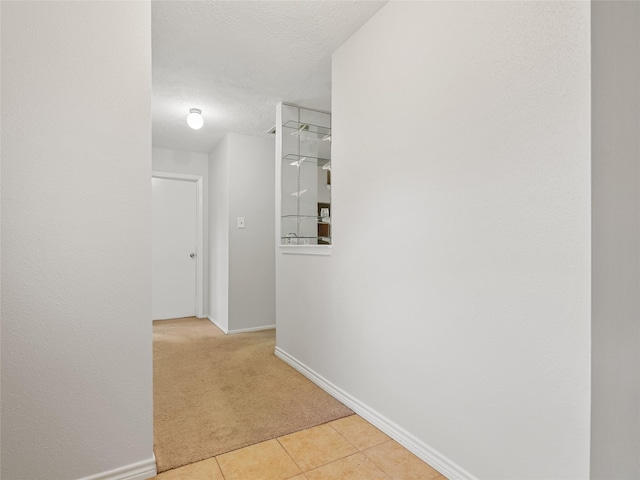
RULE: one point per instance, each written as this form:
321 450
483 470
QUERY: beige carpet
214 393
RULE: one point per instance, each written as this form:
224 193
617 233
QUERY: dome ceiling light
194 119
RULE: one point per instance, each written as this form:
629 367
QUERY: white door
174 243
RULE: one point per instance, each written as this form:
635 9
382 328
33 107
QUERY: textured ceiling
235 60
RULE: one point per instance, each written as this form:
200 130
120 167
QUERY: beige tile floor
346 449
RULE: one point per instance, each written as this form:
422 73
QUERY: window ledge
305 249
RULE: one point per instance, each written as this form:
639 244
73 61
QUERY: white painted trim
278 175
199 181
434 458
252 329
212 320
174 318
240 330
135 471
305 249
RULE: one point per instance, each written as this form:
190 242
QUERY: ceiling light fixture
194 119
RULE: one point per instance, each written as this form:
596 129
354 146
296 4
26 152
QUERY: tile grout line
224 477
440 475
373 461
340 458
348 441
303 476
357 451
289 455
328 463
355 446
335 461
386 474
364 449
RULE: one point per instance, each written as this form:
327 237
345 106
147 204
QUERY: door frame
198 179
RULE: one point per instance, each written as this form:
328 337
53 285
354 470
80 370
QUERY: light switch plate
240 222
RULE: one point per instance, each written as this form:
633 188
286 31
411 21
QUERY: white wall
251 249
76 240
189 163
242 185
455 307
615 417
175 161
219 234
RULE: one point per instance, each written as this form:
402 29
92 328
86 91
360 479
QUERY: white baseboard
240 330
252 329
438 461
212 320
135 471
